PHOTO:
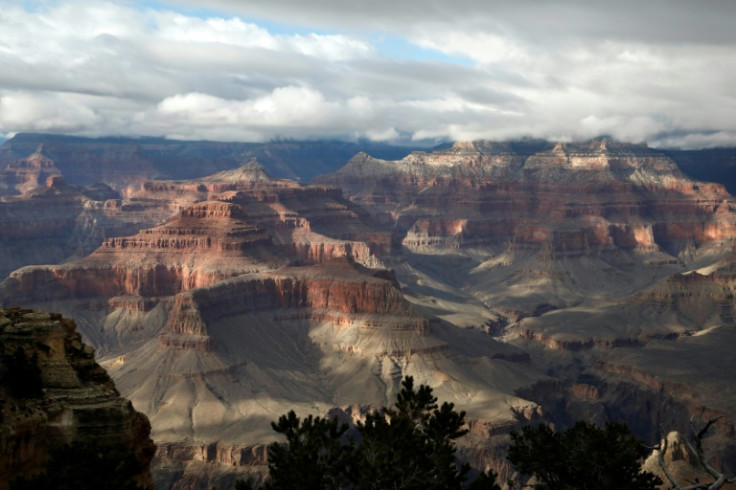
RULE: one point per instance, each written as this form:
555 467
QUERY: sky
398 71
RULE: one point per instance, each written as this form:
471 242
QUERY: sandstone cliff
543 227
54 222
259 295
602 261
588 273
77 401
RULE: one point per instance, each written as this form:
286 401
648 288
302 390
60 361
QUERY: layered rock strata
78 402
597 264
55 222
539 228
25 174
255 301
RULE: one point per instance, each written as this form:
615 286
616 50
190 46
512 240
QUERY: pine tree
407 446
582 457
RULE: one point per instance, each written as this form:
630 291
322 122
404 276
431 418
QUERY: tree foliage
407 446
314 455
582 457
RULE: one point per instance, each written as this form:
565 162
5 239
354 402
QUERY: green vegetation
582 457
410 446
407 446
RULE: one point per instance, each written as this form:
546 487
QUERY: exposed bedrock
78 402
55 222
573 197
644 402
24 174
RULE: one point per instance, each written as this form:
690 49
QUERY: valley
524 281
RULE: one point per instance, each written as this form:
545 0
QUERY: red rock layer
56 221
207 243
703 298
331 292
571 198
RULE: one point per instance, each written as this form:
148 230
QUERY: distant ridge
89 160
112 159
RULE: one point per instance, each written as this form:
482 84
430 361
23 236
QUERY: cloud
284 107
539 21
51 113
662 71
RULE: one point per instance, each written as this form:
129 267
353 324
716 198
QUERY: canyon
524 281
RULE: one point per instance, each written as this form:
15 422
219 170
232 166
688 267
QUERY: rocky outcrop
709 165
76 401
240 296
570 199
207 243
521 227
55 222
681 462
255 299
333 294
25 174
232 223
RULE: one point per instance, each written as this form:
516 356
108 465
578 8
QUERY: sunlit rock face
78 402
257 296
603 261
24 174
236 222
580 275
54 222
560 221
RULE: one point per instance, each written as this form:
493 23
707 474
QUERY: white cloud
482 47
236 32
569 69
25 111
284 107
388 134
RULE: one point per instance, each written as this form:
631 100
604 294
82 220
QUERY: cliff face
54 222
598 255
570 199
25 174
259 296
587 273
77 401
562 221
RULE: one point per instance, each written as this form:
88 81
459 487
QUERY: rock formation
55 222
601 260
560 224
27 173
77 401
528 281
259 296
709 165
